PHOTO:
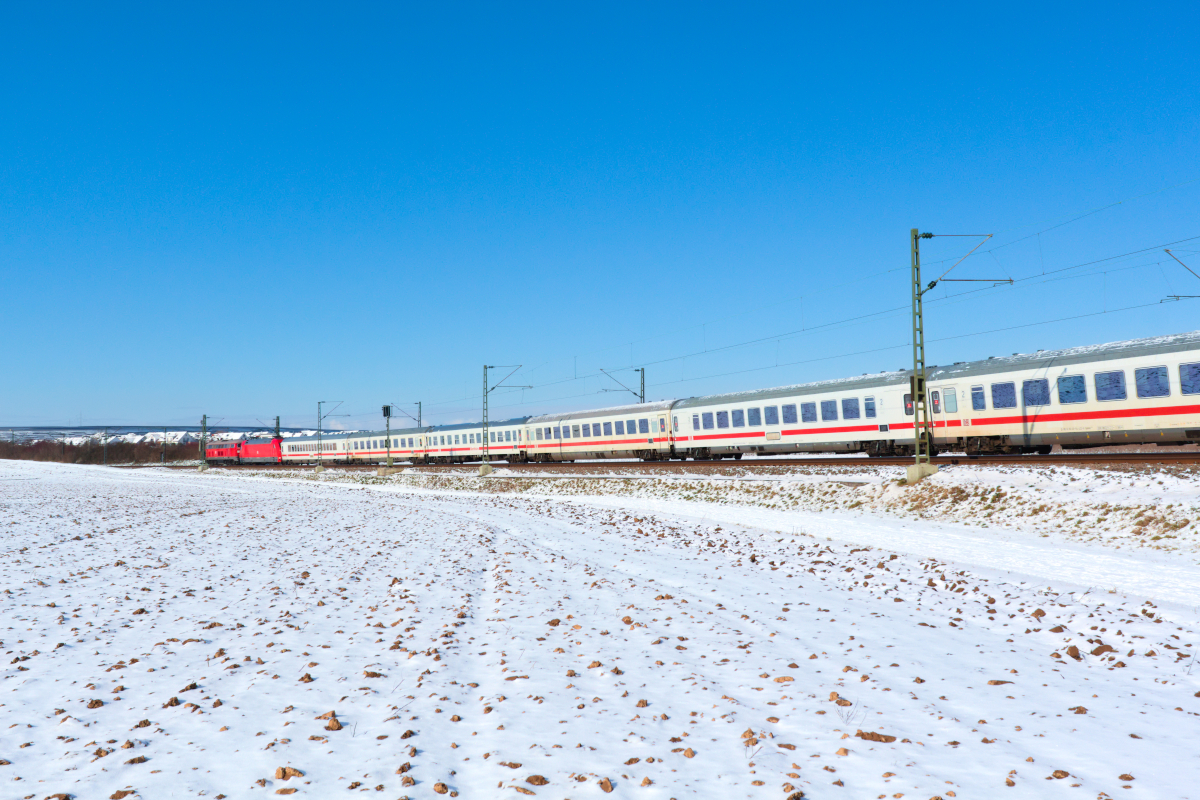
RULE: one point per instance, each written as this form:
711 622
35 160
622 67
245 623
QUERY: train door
943 407
662 437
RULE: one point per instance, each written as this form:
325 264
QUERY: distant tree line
92 452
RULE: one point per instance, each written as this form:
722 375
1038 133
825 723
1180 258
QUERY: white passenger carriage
633 431
1134 392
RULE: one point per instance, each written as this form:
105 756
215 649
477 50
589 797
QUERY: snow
727 616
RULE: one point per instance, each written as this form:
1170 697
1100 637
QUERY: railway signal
387 416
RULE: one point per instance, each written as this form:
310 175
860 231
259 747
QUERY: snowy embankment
230 635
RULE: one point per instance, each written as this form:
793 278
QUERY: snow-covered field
174 634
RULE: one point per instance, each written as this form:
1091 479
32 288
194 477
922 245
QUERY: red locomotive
245 451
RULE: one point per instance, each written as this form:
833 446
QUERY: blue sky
240 210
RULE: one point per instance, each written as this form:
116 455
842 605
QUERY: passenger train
1133 392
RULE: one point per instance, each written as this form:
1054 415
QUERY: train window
662 424
1072 389
754 417
808 412
608 429
771 415
631 426
789 414
643 426
739 418
548 432
575 431
707 418
1110 385
850 408
587 429
978 399
1004 395
619 427
908 405
828 410
1189 378
869 407
508 437
695 422
557 433
492 436
1036 392
722 419
951 399
935 400
676 420
539 434
1152 382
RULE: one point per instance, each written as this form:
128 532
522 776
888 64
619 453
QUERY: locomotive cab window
1110 385
808 412
1152 382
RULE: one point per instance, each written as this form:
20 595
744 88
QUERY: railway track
1055 459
